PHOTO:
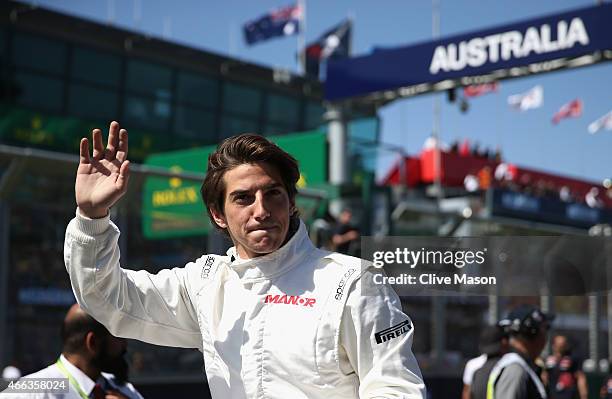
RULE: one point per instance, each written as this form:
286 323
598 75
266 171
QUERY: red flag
572 109
479 90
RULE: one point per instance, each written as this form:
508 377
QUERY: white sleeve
470 368
154 308
377 338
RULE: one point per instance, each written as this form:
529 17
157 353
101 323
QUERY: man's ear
92 342
219 218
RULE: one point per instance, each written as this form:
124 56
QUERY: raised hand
102 178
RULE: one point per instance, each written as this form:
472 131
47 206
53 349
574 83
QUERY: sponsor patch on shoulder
342 283
208 263
393 332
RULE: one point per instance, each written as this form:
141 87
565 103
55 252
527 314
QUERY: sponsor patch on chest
290 300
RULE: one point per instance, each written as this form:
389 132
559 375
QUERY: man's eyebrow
270 186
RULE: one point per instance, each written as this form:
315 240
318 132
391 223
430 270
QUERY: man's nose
260 210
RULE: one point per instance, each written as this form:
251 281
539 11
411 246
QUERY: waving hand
102 179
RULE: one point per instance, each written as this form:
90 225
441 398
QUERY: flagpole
301 39
438 303
232 39
110 11
137 13
351 17
435 131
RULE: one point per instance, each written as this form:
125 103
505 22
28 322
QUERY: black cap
490 340
525 320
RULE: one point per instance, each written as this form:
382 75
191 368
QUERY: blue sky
527 139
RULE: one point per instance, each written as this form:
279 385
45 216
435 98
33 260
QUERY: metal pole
4 273
493 310
338 173
438 302
594 316
435 130
301 39
137 13
337 135
608 268
609 311
547 304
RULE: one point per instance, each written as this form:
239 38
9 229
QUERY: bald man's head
76 325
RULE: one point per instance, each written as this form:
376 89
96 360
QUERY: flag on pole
333 44
479 90
534 98
280 22
605 122
572 109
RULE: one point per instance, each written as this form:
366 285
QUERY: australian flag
333 44
280 22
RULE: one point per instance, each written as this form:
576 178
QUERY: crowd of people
498 173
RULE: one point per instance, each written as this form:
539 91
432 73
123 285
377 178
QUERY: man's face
345 217
559 345
256 211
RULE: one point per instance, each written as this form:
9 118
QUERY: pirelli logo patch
208 263
393 332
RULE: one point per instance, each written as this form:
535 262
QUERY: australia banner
539 45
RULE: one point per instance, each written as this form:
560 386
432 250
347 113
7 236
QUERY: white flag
528 100
605 122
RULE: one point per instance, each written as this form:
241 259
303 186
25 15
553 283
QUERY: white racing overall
290 324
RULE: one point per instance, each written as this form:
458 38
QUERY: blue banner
546 210
563 36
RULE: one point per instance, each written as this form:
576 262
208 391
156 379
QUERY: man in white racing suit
276 317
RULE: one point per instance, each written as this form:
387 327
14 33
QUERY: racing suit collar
274 263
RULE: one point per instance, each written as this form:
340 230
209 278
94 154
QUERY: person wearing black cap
494 342
514 376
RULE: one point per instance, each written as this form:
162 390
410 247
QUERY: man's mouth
261 228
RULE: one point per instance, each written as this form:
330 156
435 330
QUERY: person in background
566 380
468 373
92 360
514 376
345 236
494 343
605 392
